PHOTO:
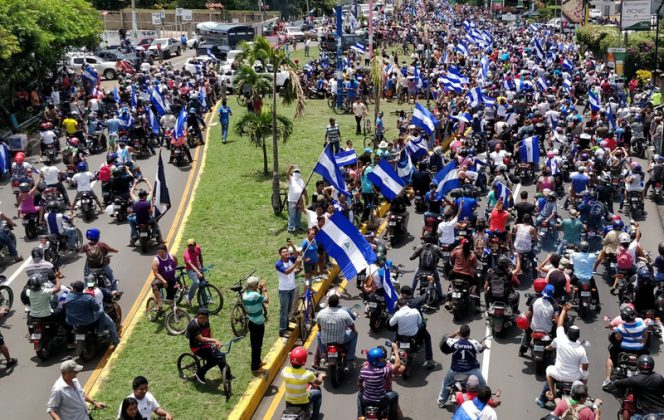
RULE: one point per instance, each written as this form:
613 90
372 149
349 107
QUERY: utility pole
656 65
340 81
134 28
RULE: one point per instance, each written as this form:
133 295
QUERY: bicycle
305 316
367 126
176 320
208 295
239 317
189 364
6 294
345 108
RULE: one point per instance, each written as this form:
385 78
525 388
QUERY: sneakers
12 362
539 402
441 404
199 380
606 384
429 364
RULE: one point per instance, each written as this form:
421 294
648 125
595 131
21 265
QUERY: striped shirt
296 380
333 323
332 133
253 301
376 382
632 334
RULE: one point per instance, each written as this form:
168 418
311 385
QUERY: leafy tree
247 76
110 4
259 127
192 4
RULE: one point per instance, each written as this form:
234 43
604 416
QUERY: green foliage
191 4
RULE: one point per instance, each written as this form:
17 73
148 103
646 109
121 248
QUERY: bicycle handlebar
230 343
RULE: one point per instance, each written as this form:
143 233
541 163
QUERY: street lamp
656 61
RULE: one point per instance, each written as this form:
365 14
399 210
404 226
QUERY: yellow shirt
296 381
71 125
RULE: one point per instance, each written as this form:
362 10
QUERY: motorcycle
313 93
445 262
408 348
378 315
145 234
538 352
55 247
396 227
192 139
583 299
458 297
464 230
547 230
431 222
4 251
31 225
96 142
140 148
46 335
179 154
420 206
636 206
427 288
335 359
525 172
120 209
500 317
89 339
53 194
50 154
638 148
657 194
87 206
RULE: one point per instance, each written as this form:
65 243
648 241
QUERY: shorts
310 266
170 289
552 372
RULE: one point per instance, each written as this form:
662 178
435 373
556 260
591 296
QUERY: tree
259 127
276 59
246 76
377 75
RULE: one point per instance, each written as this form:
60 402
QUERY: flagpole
310 175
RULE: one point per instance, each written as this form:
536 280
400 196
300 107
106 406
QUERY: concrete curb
275 358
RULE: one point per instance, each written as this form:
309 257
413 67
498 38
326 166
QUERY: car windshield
163 42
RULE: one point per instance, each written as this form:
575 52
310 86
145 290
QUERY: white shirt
446 232
48 136
55 97
286 281
295 187
497 157
146 406
408 321
542 315
372 271
569 356
50 174
83 181
145 66
40 302
67 401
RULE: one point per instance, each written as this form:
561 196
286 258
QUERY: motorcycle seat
461 377
378 298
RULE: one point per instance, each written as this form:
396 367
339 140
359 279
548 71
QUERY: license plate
445 254
392 223
613 265
538 348
463 232
143 234
591 234
372 305
456 295
35 337
332 355
404 345
635 200
25 222
585 294
80 337
85 201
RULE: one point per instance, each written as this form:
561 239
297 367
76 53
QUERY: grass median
232 220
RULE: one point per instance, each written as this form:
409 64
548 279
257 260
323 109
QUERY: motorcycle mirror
606 319
585 343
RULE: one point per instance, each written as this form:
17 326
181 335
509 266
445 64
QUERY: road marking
486 358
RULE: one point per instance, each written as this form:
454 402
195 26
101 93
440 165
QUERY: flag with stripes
474 97
152 121
327 168
464 116
447 179
391 295
424 119
542 84
179 124
386 179
593 101
345 158
358 48
162 199
504 194
126 120
405 166
568 65
5 159
612 118
133 101
212 57
157 101
116 95
529 150
463 49
90 74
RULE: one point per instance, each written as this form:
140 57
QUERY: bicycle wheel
6 297
226 381
177 321
151 310
339 110
210 297
302 332
239 320
369 141
332 102
188 365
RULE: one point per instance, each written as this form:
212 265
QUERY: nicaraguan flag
162 199
157 101
345 158
593 100
529 150
542 84
391 295
567 85
417 148
202 96
116 95
153 121
509 84
469 410
474 97
212 57
488 101
447 179
358 48
328 169
568 65
405 166
539 50
504 193
126 120
612 118
464 116
466 25
384 177
133 101
416 76
451 84
454 73
463 49
484 61
424 119
179 124
5 160
90 74
343 242
533 27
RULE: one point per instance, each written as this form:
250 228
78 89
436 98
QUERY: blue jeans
286 302
294 216
449 380
106 323
107 270
642 416
351 344
6 241
224 131
194 283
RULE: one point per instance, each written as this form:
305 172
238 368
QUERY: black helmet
37 254
573 333
652 417
584 246
643 273
503 263
35 282
660 248
646 363
627 312
52 205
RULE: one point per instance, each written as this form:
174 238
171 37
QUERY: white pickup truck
228 73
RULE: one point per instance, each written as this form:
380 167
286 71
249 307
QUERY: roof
221 27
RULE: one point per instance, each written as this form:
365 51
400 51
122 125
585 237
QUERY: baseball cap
546 191
473 384
252 281
368 150
548 291
191 241
70 366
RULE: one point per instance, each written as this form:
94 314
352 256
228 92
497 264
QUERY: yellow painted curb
275 358
104 366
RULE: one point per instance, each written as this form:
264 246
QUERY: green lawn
232 220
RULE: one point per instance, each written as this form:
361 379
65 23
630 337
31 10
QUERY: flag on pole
179 124
90 74
133 101
417 148
391 296
463 49
162 199
343 242
543 85
504 194
405 166
388 181
345 158
201 97
593 100
358 48
212 57
424 119
447 179
474 97
465 117
5 159
529 150
328 169
158 101
126 120
568 65
116 95
153 121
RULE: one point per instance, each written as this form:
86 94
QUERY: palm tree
377 79
259 127
276 60
247 76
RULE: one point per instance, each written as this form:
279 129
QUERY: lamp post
656 61
340 81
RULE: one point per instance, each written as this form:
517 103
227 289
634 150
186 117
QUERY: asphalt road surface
501 366
33 378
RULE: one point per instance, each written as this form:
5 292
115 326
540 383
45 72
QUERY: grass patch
232 220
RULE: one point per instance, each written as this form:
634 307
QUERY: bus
224 34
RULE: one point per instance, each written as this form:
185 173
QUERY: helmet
539 284
73 141
37 254
35 282
298 356
603 144
82 166
376 357
632 232
91 281
548 291
646 363
111 157
52 205
643 273
522 322
19 158
573 333
93 234
192 110
584 246
550 154
24 187
627 312
584 157
618 225
503 263
635 166
660 248
624 238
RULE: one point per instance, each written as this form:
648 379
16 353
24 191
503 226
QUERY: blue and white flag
474 97
539 50
405 166
484 69
358 48
523 85
488 101
469 410
157 101
162 199
542 84
391 295
133 101
533 27
328 169
447 179
504 194
153 121
424 119
5 159
126 120
417 78
463 49
417 148
509 84
567 85
612 118
454 73
568 65
201 97
212 57
529 150
345 158
90 74
451 84
386 179
464 116
466 25
179 124
116 95
593 100
343 242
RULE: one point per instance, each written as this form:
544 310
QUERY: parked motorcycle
458 297
396 228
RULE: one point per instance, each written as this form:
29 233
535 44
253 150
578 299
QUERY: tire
431 297
177 321
226 381
302 329
44 351
337 375
374 321
337 110
210 297
110 74
456 312
239 320
79 238
30 232
188 365
52 255
151 310
144 245
117 315
6 297
393 240
406 372
88 351
178 52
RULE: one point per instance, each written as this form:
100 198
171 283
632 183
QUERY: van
329 43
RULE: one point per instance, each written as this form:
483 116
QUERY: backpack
572 413
95 256
105 173
497 282
428 258
624 259
596 212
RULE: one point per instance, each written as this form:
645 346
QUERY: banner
635 15
572 11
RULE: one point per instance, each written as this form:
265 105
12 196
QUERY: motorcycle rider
628 337
6 240
633 183
296 378
498 286
375 382
97 256
83 180
82 310
578 404
142 214
571 359
409 324
47 137
464 360
579 183
447 226
549 212
610 243
572 228
541 315
336 326
583 262
40 295
628 254
120 183
399 206
464 266
429 254
647 388
525 241
60 225
659 264
194 121
656 172
51 177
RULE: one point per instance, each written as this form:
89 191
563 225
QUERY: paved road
501 366
129 266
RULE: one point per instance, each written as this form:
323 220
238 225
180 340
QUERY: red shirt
611 143
193 258
498 220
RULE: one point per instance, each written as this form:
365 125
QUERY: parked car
295 33
595 13
144 43
104 68
169 47
115 55
190 66
228 73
